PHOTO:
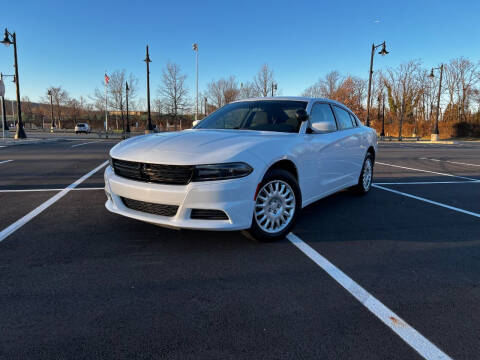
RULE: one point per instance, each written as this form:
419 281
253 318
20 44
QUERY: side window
322 115
343 118
354 121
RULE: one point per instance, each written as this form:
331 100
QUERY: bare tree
404 87
158 107
349 90
248 90
325 87
27 107
263 81
223 91
75 108
116 92
60 98
467 76
174 90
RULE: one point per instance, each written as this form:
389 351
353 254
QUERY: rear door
350 146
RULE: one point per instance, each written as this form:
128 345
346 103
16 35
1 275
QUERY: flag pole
106 112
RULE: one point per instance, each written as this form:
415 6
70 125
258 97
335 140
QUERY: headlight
110 161
221 171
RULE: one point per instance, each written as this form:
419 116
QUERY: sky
72 43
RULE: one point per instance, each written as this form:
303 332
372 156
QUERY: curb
28 142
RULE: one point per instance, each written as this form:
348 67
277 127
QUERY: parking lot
391 275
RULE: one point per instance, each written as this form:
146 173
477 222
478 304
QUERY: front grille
155 173
151 208
207 214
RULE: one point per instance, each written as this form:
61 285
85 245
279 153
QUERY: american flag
107 79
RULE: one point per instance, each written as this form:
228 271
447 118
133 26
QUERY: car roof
292 98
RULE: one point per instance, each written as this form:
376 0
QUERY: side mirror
324 126
301 115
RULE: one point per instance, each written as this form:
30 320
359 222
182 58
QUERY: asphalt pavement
79 282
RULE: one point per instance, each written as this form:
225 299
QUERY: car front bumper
233 197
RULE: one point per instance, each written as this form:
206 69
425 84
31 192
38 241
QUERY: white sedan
252 164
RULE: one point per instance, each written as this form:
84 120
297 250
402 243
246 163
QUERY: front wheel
277 205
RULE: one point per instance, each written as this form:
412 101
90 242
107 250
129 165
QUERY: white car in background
82 127
252 164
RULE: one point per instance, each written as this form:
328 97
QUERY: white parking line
408 334
22 221
451 162
40 190
5 161
90 142
427 182
428 201
427 171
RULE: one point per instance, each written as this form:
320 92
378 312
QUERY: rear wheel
277 206
366 176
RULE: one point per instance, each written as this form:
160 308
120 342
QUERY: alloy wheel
275 206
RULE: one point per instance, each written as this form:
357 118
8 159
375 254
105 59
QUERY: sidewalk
29 140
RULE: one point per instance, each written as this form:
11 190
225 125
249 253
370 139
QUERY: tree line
406 94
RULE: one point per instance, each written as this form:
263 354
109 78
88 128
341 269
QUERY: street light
10 39
195 48
382 52
149 128
2 93
274 88
126 98
50 93
383 115
435 132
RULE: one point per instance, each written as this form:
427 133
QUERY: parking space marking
406 332
428 201
451 162
90 142
40 190
427 171
5 161
22 221
427 182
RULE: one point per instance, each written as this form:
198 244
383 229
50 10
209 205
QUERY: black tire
255 231
361 188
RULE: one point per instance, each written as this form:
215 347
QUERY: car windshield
261 115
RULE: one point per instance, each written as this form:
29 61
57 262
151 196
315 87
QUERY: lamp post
382 52
149 127
435 132
4 116
126 98
4 112
52 126
274 88
383 116
195 48
8 40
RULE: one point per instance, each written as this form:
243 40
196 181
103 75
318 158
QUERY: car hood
191 147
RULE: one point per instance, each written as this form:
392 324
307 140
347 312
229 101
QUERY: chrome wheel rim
367 174
275 206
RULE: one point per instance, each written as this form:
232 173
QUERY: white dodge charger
252 164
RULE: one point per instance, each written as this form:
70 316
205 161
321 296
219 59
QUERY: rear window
343 118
